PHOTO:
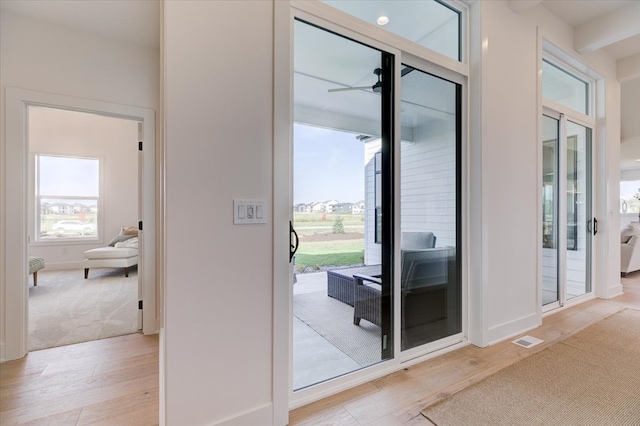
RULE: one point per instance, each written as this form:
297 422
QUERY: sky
327 165
68 176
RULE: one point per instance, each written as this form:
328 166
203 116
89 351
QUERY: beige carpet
591 378
64 308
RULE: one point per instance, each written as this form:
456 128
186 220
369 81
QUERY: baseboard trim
513 328
259 416
615 291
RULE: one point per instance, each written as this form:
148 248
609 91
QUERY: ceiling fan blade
344 89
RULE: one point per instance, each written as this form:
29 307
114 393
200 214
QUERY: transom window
564 88
429 23
67 195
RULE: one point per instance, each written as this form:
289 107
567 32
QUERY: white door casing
13 282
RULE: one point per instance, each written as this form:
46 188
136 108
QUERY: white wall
504 293
114 142
219 141
41 57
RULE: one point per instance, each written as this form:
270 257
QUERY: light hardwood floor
105 382
115 381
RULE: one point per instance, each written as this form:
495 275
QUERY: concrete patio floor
314 358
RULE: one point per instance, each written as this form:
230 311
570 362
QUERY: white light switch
249 211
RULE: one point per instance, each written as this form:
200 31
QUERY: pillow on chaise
130 243
118 239
129 230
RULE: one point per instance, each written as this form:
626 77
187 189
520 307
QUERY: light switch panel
246 212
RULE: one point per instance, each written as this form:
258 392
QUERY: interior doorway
17 196
83 185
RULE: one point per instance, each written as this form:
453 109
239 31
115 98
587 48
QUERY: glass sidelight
550 213
581 225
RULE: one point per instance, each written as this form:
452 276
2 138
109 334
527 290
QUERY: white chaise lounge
123 254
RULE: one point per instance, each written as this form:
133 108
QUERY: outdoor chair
428 289
340 282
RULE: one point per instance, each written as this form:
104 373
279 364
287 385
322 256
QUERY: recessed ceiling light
382 20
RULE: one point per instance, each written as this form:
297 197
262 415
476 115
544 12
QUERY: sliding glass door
376 199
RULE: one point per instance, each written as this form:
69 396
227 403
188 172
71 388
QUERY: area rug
591 378
64 308
333 320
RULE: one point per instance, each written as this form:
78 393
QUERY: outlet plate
246 212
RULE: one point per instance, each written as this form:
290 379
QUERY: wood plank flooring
109 382
115 381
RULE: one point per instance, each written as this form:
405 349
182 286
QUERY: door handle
595 226
293 247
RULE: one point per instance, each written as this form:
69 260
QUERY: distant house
61 208
329 206
357 208
343 208
302 208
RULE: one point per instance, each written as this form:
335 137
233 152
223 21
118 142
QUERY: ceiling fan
377 86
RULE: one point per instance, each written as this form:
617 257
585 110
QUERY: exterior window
67 195
429 23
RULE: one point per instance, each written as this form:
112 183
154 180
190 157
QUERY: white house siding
428 182
372 251
428 186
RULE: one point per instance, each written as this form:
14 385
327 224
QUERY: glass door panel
567 222
550 212
579 214
340 324
430 284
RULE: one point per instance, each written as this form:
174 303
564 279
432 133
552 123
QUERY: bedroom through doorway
83 201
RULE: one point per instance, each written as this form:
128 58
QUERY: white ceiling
587 15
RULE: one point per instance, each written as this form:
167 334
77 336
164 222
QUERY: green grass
333 259
326 253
